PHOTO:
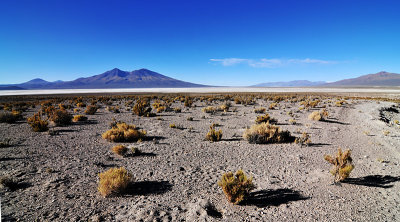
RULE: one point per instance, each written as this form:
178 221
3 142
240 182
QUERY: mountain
378 79
295 83
115 78
10 88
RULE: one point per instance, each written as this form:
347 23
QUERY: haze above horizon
234 43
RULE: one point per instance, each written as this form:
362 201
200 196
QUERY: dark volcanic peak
378 79
115 78
37 81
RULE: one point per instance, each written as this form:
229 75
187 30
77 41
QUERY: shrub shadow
148 188
232 139
334 121
141 154
264 198
320 144
11 158
382 181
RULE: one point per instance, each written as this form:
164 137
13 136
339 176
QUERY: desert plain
175 177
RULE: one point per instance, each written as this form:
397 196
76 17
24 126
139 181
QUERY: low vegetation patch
60 117
305 139
265 119
342 164
120 150
260 110
10 117
122 132
236 186
266 133
91 110
37 123
319 115
213 135
79 118
114 181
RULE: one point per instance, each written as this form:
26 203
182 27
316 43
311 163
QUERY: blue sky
210 42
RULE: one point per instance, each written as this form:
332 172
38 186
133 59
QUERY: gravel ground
176 177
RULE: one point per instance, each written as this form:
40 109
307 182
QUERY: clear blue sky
209 42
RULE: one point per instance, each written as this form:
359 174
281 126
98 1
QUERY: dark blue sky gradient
70 39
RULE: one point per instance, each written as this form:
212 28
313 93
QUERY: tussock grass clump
273 105
122 132
114 181
319 115
91 110
265 118
37 123
236 186
10 117
142 108
178 110
120 150
209 109
79 118
266 133
172 125
305 139
81 105
61 117
260 110
213 135
342 164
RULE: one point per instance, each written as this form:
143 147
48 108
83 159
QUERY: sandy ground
176 178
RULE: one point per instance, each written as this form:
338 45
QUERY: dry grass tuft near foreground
123 132
114 181
342 164
266 133
236 186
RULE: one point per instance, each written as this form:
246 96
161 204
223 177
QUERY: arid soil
175 179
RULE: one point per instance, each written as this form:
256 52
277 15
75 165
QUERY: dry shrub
266 133
61 117
188 102
177 110
292 121
37 123
319 115
209 109
121 132
142 108
236 187
273 105
213 135
79 118
81 105
305 139
161 109
260 110
114 181
120 150
342 164
172 125
266 118
91 110
10 117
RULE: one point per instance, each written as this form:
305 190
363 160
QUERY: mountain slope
378 79
290 83
115 78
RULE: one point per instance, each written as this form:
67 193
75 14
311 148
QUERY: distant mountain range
290 84
115 78
378 79
144 78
